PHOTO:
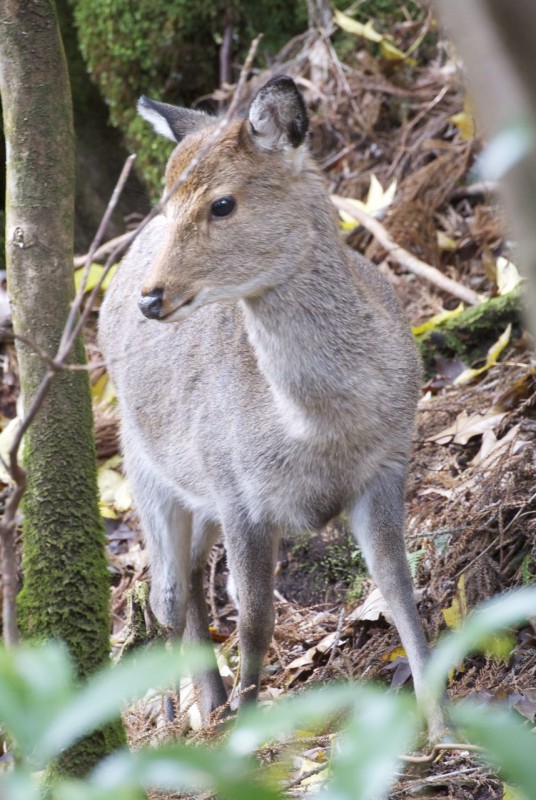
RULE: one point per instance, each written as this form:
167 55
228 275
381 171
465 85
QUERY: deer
281 387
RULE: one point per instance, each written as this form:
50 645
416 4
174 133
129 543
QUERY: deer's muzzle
150 304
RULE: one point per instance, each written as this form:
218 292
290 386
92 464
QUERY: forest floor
471 511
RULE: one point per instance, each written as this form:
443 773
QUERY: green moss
471 334
169 50
65 592
334 559
66 582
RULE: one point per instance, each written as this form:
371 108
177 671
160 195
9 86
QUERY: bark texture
66 593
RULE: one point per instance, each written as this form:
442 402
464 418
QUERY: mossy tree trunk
66 592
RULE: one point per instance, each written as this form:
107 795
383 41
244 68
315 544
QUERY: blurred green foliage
43 710
388 11
169 50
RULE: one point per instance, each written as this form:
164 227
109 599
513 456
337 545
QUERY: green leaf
19 785
256 726
101 699
34 683
382 727
475 631
508 744
179 767
378 727
511 793
82 790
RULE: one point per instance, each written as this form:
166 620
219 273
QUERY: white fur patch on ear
278 116
159 123
268 134
295 157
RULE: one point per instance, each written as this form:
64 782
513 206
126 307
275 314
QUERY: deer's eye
223 207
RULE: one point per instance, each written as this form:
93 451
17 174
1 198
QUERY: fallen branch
442 748
404 257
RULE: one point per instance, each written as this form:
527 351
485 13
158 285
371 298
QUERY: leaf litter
397 135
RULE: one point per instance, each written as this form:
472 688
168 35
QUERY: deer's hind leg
377 521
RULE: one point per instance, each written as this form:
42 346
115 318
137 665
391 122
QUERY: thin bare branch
97 240
102 252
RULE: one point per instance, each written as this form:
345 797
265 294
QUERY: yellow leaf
368 31
445 243
491 359
357 28
97 388
377 200
6 441
437 319
465 124
4 422
93 277
113 462
107 511
398 652
103 390
347 223
465 121
512 793
114 490
507 275
458 610
95 271
109 275
392 53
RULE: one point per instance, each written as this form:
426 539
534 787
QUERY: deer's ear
278 116
173 122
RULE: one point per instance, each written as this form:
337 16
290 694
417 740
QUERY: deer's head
233 224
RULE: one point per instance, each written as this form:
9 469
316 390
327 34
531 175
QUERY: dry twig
405 258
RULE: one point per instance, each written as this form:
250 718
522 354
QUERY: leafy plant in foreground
44 712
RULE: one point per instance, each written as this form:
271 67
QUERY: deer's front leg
251 553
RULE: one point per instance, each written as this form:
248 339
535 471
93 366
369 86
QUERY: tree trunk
66 593
496 42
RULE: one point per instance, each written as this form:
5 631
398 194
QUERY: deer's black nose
151 304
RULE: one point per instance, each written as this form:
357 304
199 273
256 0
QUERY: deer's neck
306 333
